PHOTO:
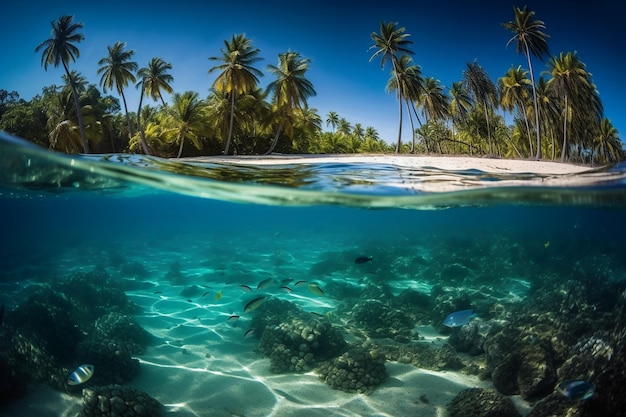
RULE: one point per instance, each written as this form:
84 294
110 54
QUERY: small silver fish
249 333
80 375
459 318
233 318
266 283
253 304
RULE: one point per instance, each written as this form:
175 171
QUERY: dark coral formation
81 320
123 331
112 365
293 339
298 345
118 401
421 355
379 320
478 402
356 370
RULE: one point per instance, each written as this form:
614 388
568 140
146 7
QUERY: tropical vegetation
556 114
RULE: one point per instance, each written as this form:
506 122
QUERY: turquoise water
167 233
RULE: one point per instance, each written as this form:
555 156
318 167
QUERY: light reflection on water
307 182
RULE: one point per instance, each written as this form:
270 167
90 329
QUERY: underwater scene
137 286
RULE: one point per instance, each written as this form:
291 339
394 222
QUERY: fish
253 304
205 293
315 289
234 317
245 287
218 296
248 333
80 375
363 259
266 283
286 289
459 318
328 314
158 292
547 244
576 389
285 281
300 283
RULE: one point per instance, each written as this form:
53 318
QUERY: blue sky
335 35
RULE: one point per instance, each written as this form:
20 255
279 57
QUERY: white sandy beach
434 174
453 163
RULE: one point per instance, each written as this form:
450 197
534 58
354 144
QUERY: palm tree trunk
231 122
488 130
142 134
130 128
564 130
275 140
408 110
79 114
181 138
532 80
395 71
530 142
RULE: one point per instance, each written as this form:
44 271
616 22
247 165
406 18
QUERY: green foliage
564 112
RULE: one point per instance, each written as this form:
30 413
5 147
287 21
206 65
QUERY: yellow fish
218 296
315 289
547 244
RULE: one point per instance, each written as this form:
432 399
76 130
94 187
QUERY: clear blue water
218 226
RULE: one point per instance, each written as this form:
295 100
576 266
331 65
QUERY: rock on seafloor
118 401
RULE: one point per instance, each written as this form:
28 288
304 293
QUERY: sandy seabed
200 364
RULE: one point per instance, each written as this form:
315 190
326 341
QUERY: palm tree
435 103
412 84
514 86
549 112
607 146
60 49
152 80
79 81
571 81
155 79
531 40
344 127
332 119
483 89
117 72
187 120
391 42
290 90
460 105
238 76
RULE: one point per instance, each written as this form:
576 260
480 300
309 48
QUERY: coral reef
123 331
112 365
297 345
118 401
356 370
478 402
81 320
420 355
379 320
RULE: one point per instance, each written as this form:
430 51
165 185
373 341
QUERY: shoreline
443 162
